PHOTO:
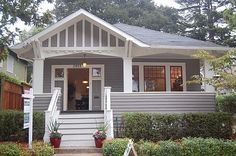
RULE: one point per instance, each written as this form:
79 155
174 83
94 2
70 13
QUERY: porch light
84 64
84 82
87 87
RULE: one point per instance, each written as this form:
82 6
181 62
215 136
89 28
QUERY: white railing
108 112
52 113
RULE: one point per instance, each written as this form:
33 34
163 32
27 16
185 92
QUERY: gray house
87 71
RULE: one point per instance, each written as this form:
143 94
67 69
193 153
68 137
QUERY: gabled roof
75 15
161 39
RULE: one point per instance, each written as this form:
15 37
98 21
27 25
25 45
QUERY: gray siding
192 68
113 71
168 102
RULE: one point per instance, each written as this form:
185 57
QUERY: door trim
65 79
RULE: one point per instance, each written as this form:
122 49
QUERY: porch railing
52 113
108 112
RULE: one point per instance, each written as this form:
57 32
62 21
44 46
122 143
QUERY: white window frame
167 66
10 64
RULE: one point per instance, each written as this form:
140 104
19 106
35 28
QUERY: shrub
155 127
42 149
11 126
183 147
226 103
115 147
13 149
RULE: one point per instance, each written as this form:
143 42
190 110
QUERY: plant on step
100 135
55 135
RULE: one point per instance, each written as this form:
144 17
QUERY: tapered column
38 67
127 74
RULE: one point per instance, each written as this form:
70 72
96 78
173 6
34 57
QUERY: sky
47 6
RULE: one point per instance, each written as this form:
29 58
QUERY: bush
187 147
11 126
155 127
226 103
13 149
115 147
42 149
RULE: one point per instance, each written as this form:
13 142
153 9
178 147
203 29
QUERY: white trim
76 15
167 68
65 80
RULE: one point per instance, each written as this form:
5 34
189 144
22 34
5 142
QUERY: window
154 78
176 78
59 73
10 63
135 78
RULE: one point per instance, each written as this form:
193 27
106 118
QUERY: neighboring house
14 67
147 71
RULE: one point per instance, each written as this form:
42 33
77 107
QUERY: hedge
15 149
11 126
183 147
155 126
226 103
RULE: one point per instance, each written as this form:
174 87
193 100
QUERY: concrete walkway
81 154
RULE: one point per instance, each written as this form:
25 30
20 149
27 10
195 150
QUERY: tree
203 20
134 12
13 11
224 68
27 34
230 14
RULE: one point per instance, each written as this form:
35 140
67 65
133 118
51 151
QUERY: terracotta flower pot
55 142
98 142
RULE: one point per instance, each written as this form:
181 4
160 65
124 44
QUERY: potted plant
55 135
100 135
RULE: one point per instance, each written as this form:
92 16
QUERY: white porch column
38 66
127 74
208 74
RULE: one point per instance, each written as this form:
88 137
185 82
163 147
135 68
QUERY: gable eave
71 17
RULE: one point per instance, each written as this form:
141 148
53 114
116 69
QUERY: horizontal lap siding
162 102
113 71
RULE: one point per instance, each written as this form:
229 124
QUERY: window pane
135 77
59 73
154 78
176 78
96 72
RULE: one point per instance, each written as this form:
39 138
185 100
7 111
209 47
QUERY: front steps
78 128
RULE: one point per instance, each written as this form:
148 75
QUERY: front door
82 88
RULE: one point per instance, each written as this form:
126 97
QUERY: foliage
204 20
24 35
53 128
3 52
9 78
13 149
223 68
134 12
155 126
115 147
187 147
226 103
11 126
26 11
101 132
230 15
40 148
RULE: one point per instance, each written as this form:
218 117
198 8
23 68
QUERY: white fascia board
74 15
192 48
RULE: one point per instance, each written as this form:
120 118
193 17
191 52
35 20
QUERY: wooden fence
10 95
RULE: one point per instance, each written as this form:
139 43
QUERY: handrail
51 114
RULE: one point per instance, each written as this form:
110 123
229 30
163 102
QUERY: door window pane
154 78
59 73
135 78
176 78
